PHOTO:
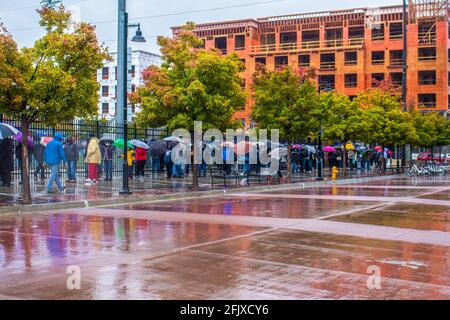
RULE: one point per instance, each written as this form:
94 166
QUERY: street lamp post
320 154
404 74
122 79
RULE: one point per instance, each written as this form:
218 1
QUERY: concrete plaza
304 242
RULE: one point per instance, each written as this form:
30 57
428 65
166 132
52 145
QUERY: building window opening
427 77
281 61
395 31
396 58
351 80
351 58
377 78
356 35
333 38
327 82
396 78
220 43
310 39
378 57
268 42
378 32
239 42
427 32
427 54
427 100
327 61
304 60
105 73
288 40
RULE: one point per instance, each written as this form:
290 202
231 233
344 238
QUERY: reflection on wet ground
158 258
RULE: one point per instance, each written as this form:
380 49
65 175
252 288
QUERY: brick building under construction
352 50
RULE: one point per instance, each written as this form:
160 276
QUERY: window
304 60
115 92
427 77
133 88
396 58
378 32
133 71
351 80
333 37
351 58
427 32
327 82
105 91
427 100
288 40
356 35
221 44
268 42
116 72
281 61
310 39
396 78
327 61
395 30
377 78
261 60
105 108
105 73
427 54
239 42
378 57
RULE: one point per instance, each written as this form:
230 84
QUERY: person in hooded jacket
72 155
53 156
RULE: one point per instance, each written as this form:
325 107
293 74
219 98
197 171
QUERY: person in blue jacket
54 155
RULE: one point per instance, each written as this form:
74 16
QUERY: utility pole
405 75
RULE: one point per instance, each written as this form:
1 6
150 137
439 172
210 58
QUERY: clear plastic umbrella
7 131
139 144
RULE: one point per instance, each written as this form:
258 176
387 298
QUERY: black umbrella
158 148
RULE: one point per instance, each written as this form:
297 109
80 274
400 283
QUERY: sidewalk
154 187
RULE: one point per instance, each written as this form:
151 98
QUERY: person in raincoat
130 158
108 150
54 155
141 160
72 156
39 150
93 159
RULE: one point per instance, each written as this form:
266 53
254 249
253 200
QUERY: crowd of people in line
98 157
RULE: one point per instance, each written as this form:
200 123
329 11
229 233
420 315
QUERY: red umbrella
46 140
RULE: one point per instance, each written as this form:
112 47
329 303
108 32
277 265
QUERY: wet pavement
303 243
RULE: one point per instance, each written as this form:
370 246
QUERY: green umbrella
118 143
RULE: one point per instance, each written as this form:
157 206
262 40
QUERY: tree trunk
26 195
195 176
289 163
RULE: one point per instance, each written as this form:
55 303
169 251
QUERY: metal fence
80 131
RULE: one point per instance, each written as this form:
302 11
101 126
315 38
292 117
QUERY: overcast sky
20 17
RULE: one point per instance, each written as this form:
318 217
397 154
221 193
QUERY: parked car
432 157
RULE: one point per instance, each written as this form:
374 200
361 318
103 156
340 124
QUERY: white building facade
107 77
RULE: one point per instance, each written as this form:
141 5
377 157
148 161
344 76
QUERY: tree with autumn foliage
191 85
285 100
53 81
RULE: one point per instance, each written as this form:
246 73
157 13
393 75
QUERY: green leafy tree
342 120
433 130
191 85
53 81
285 100
383 120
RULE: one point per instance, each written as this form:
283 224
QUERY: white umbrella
173 139
139 144
278 153
310 148
7 131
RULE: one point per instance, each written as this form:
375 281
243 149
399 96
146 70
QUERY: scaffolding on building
426 13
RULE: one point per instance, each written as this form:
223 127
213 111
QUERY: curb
179 196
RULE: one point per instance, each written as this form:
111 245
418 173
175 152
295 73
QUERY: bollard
334 173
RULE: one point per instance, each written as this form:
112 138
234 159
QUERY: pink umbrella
329 149
296 146
46 140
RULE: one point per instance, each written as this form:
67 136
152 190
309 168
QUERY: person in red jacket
141 160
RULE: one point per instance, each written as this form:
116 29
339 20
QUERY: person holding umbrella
39 150
93 159
72 156
141 160
54 155
6 161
